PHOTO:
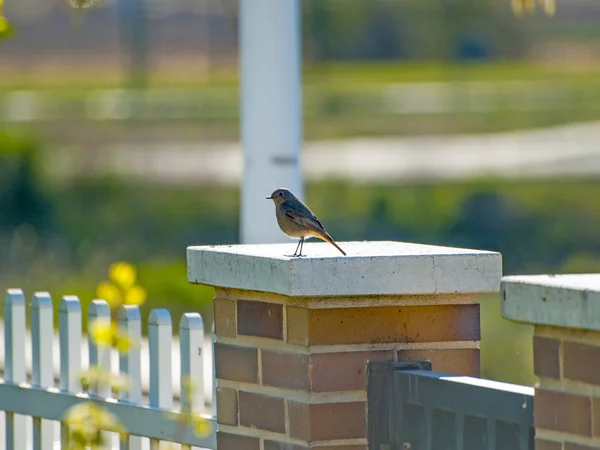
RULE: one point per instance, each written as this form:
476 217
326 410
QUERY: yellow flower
122 342
201 427
550 7
122 274
530 6
135 296
89 418
517 7
96 377
103 332
109 292
120 383
110 334
6 28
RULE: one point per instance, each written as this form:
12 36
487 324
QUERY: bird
297 220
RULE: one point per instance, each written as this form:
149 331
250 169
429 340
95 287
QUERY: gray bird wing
302 215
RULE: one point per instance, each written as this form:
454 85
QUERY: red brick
227 406
227 441
546 360
542 444
327 421
225 317
236 363
262 411
562 412
285 370
297 325
453 361
573 446
581 362
343 371
260 319
429 323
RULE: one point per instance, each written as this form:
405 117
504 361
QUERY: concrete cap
571 301
370 268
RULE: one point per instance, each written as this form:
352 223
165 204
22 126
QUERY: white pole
271 130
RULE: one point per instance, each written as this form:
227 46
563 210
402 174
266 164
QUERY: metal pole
271 130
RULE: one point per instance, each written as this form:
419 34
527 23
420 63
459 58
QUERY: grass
339 101
343 76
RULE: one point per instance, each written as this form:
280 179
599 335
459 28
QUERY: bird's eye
280 194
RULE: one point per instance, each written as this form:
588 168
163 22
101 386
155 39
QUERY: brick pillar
294 335
565 312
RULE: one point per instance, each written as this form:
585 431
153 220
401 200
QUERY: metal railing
412 408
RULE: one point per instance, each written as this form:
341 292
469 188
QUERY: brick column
294 335
565 311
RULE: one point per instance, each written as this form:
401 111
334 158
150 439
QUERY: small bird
297 220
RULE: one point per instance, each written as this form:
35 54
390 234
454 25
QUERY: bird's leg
301 245
297 247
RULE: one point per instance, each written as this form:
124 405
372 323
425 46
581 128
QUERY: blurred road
565 150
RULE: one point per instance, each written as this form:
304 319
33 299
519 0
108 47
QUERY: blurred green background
74 106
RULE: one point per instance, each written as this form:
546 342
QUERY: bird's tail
329 239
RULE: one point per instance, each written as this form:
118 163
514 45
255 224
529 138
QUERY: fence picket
70 352
130 363
191 343
14 338
42 376
160 341
150 422
99 355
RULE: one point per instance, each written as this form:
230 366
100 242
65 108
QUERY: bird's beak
270 197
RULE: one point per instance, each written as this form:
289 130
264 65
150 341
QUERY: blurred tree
6 29
22 197
489 221
380 29
330 26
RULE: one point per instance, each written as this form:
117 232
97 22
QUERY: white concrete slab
370 268
571 301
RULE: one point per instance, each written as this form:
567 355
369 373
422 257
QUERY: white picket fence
39 398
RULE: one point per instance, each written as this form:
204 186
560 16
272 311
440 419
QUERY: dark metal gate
412 408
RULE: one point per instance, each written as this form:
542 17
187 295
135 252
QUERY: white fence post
14 338
99 355
191 343
191 353
42 376
70 352
130 365
161 364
